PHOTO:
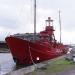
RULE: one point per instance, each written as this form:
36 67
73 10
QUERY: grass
55 67
59 65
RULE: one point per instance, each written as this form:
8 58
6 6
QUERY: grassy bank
56 66
59 66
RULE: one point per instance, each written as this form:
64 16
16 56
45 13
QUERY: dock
55 66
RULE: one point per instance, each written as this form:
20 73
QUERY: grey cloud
15 14
54 4
10 13
8 22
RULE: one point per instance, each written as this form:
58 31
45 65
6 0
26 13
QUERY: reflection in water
6 63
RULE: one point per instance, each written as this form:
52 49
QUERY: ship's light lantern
37 58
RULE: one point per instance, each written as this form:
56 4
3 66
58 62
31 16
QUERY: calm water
6 63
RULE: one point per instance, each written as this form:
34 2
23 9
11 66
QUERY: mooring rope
32 58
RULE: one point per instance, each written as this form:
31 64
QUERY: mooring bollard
73 59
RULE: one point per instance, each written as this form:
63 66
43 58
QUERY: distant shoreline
4 50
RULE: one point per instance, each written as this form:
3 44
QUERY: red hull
26 52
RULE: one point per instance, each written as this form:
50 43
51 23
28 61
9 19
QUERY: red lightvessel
26 50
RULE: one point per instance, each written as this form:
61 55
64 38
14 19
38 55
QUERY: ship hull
26 52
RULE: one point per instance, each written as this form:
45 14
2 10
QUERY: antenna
34 20
60 25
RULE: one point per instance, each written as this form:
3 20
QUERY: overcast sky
16 16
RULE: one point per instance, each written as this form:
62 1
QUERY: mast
34 20
60 25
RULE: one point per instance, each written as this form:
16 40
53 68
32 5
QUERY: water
6 63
